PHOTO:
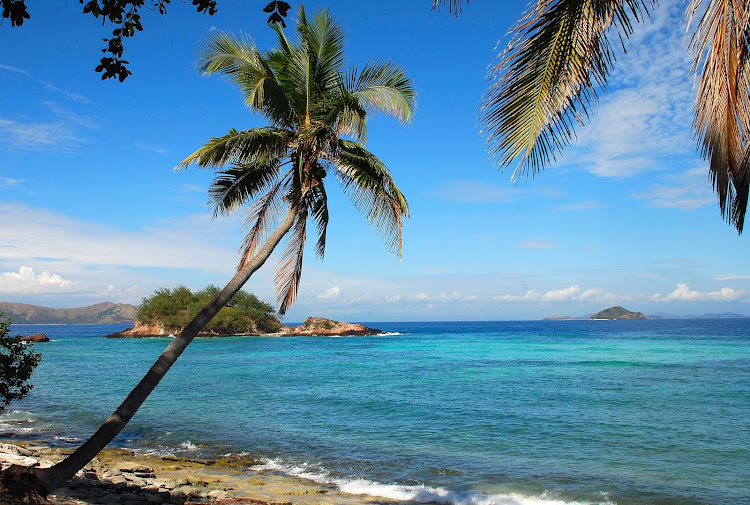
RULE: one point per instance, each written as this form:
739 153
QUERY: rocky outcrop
155 330
320 326
36 337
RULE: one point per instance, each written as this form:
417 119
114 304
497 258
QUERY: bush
175 308
17 362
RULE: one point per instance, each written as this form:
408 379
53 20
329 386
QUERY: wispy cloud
61 134
472 191
688 190
536 244
10 181
14 69
75 97
643 124
148 147
730 277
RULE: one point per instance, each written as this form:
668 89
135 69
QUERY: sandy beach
121 476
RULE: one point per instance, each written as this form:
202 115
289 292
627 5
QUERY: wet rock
36 337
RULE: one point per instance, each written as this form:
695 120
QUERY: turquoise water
627 412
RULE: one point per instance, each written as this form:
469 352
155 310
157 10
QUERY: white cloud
530 296
536 244
730 277
683 293
687 190
148 147
26 281
561 295
422 296
473 191
10 181
333 292
644 122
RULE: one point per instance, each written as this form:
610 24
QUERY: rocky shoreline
312 327
120 476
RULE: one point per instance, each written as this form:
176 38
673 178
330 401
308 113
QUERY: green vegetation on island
173 309
617 313
17 362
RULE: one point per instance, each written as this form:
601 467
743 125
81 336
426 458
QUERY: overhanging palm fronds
722 108
549 74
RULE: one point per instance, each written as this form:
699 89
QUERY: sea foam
417 494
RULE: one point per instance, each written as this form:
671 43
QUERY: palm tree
560 56
312 103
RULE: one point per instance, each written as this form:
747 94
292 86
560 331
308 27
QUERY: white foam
188 446
417 494
389 334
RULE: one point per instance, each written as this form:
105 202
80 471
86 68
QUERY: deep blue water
632 412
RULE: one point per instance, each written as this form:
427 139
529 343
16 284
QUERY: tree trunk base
20 486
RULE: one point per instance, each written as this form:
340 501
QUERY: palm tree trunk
56 476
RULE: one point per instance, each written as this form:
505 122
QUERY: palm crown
317 111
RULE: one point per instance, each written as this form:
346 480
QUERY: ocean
650 412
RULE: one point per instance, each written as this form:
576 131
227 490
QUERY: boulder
36 337
321 326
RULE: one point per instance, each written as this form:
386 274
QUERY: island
312 327
617 313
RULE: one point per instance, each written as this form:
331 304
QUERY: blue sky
92 209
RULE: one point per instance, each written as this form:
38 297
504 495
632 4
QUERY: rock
241 501
36 337
13 459
14 449
109 498
320 326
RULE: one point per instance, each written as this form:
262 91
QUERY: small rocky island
312 327
617 313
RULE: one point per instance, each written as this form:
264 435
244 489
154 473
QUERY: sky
91 208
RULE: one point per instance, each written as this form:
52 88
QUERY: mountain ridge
98 313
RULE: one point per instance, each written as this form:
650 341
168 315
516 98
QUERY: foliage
17 362
312 104
278 10
559 57
175 308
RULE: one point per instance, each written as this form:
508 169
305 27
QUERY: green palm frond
549 74
722 108
382 86
325 42
289 268
370 186
262 218
318 204
236 57
236 146
236 186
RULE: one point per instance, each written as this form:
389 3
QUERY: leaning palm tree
559 57
317 112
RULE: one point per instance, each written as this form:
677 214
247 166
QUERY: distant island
617 313
100 313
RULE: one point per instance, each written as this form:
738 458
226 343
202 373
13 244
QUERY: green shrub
175 308
17 362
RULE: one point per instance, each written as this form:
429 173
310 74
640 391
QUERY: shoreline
124 476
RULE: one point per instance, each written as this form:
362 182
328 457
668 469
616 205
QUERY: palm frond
318 205
549 74
234 187
722 109
236 57
382 86
245 146
289 268
325 42
262 218
370 186
455 6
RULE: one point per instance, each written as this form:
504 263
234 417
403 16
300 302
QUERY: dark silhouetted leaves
279 10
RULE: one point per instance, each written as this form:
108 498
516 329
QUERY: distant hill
617 313
101 313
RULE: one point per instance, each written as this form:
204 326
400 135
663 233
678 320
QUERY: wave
389 334
416 494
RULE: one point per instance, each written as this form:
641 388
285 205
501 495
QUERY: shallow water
631 412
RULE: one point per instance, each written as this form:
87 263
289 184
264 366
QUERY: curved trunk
56 476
